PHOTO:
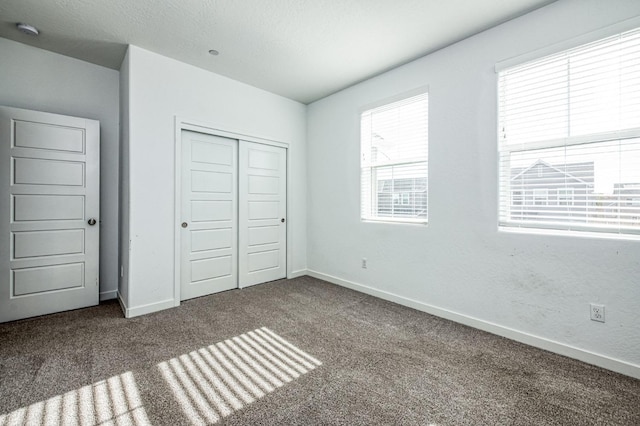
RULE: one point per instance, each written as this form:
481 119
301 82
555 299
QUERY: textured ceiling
301 49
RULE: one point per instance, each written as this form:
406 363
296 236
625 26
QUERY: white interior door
209 223
49 224
263 212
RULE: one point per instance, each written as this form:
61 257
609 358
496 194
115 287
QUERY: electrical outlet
364 263
597 312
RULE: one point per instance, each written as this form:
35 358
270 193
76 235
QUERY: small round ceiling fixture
28 29
214 52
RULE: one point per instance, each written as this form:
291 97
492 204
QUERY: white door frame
182 123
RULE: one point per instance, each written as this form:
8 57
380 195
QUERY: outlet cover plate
597 312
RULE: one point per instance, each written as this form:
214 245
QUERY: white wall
159 89
36 79
460 265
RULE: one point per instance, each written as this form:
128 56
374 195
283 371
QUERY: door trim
183 123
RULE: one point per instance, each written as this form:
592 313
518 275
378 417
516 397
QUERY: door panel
47 207
263 235
52 138
213 182
47 278
259 261
263 209
209 210
264 185
205 152
261 159
50 187
211 268
30 171
213 239
47 243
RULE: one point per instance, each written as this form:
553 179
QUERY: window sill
567 233
396 222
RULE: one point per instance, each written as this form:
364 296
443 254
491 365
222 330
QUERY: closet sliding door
233 228
263 212
209 227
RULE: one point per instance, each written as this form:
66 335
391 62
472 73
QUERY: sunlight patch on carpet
213 382
115 400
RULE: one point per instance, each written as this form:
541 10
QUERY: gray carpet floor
300 352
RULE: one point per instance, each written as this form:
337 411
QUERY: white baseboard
608 363
108 295
169 303
136 311
296 274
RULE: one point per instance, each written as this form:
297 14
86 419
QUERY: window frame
421 90
505 149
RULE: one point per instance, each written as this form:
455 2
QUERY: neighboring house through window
394 145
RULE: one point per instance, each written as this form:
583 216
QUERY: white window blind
569 139
394 161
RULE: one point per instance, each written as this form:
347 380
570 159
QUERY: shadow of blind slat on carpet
209 384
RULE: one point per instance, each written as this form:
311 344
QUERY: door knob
282 220
184 224
91 221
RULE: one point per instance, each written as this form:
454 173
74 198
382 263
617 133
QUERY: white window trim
541 230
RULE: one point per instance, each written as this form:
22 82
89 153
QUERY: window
569 139
393 142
